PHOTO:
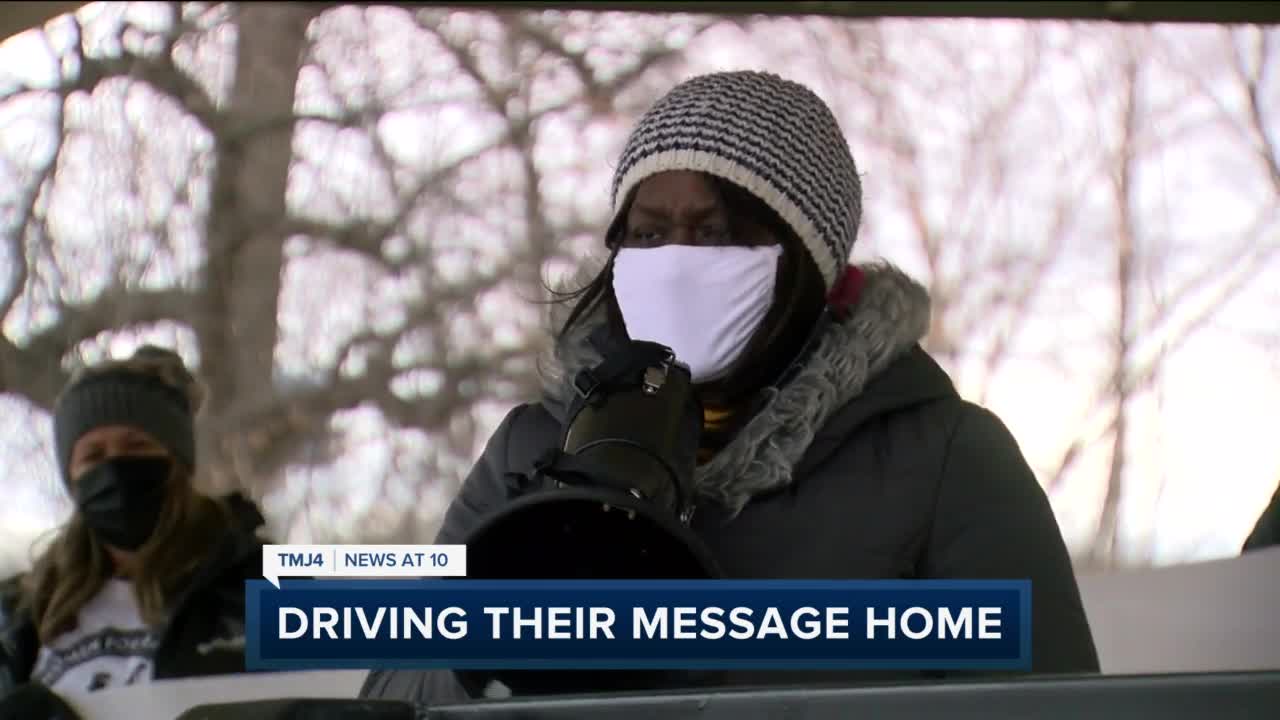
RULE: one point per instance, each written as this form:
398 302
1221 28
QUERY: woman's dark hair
798 298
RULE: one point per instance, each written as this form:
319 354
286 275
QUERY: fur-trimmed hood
890 319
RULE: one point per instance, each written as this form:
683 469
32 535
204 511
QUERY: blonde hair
75 566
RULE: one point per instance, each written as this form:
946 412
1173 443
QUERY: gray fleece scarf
891 316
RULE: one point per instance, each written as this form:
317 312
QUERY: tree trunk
1106 548
237 325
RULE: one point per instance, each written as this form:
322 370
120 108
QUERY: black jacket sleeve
485 486
1266 532
994 521
29 702
482 492
18 641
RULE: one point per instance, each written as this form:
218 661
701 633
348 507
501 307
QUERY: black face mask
121 498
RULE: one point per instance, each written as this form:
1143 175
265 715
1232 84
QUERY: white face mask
705 303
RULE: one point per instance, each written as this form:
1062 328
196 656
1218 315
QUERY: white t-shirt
110 647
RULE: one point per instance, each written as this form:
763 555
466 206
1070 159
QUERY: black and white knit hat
774 137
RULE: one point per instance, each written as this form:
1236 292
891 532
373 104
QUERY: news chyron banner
372 606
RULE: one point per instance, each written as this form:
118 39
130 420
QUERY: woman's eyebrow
137 438
655 213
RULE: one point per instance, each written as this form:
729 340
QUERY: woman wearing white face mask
833 445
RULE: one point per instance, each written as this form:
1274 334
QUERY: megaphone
613 501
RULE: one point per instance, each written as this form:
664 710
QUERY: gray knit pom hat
152 391
773 137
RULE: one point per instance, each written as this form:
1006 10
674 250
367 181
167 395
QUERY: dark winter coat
205 633
866 464
1266 532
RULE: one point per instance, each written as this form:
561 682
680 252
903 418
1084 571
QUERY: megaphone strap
517 484
625 366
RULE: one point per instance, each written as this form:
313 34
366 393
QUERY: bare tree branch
1216 283
366 238
26 368
1253 80
1124 181
29 375
26 205
1025 287
159 72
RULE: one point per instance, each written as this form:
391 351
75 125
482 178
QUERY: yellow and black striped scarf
715 432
